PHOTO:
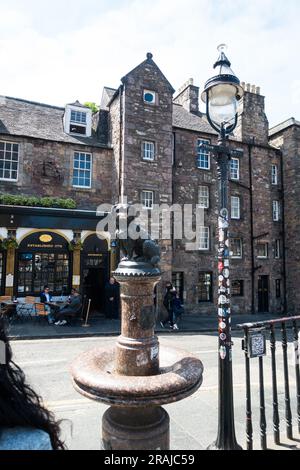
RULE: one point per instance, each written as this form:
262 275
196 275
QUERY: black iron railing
255 346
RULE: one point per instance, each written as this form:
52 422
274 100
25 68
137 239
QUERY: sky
61 50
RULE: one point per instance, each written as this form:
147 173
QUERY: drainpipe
283 235
251 228
121 146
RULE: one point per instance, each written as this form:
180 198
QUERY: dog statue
142 249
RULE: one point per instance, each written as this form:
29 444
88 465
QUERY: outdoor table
9 307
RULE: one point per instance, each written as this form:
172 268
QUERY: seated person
71 310
46 298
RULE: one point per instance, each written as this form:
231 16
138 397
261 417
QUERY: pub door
94 287
263 294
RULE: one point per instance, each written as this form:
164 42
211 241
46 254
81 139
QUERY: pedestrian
112 299
177 308
168 297
25 424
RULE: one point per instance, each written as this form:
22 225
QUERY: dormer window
78 119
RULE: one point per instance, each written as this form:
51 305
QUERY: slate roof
194 122
42 121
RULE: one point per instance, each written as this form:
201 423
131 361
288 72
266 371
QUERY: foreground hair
19 404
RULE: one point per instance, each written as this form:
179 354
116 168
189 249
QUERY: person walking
177 308
25 424
167 302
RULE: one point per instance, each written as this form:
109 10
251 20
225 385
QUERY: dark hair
46 287
19 404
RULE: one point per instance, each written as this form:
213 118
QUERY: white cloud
70 50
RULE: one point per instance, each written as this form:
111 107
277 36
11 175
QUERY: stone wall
45 169
289 142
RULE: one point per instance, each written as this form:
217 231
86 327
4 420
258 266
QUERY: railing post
296 350
276 420
263 423
249 427
288 413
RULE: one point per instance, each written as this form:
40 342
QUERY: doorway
263 294
94 287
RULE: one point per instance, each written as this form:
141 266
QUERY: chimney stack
188 96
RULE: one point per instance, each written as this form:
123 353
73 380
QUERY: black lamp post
221 95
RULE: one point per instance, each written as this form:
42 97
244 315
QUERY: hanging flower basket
8 243
75 245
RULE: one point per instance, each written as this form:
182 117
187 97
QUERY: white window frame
241 248
154 97
235 169
274 174
79 121
276 211
266 245
277 249
82 169
235 209
147 192
203 153
5 142
204 236
148 148
203 194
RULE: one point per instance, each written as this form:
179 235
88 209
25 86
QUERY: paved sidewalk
100 326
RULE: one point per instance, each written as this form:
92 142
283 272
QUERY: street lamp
221 95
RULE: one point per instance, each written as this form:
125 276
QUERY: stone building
143 144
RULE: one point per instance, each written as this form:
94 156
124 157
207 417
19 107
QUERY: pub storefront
43 258
2 270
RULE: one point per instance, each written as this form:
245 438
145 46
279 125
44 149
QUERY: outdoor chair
5 298
40 312
80 315
26 309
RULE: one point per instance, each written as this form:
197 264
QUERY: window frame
145 91
147 142
238 168
277 249
85 170
74 121
275 211
241 246
266 244
278 288
5 142
147 191
241 292
210 291
237 198
207 229
274 176
205 153
200 187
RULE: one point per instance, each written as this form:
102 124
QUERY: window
149 96
203 197
262 250
274 174
178 283
203 157
147 198
276 211
78 117
205 287
82 170
235 169
237 288
204 238
9 161
235 207
148 151
36 270
78 122
236 247
277 251
278 288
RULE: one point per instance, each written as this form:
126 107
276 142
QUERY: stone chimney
188 96
252 120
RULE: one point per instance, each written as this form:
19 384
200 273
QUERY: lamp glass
222 103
